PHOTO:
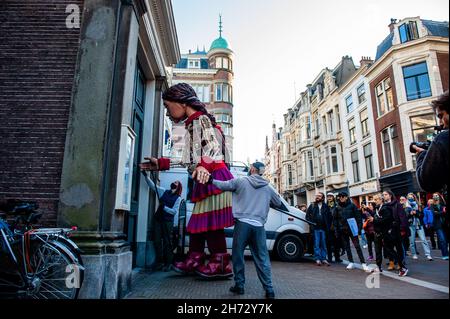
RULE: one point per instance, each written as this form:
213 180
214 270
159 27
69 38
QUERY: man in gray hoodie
252 196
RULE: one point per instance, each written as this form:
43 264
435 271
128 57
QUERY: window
317 126
408 31
423 127
385 101
308 127
352 131
324 121
391 149
364 123
289 175
338 120
417 83
331 121
194 64
349 103
334 159
368 160
319 161
310 164
355 166
223 63
223 92
361 90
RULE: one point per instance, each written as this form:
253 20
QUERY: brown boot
391 266
219 266
192 262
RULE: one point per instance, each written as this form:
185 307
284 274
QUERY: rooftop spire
220 25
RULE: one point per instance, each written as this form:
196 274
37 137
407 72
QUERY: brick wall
37 63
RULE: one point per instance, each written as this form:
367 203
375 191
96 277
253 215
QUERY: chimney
391 25
365 60
189 51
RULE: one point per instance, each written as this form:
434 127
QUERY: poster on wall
125 169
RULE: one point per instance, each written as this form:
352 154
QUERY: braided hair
184 93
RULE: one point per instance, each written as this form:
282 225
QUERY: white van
286 228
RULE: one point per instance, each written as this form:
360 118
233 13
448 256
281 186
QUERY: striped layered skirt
212 208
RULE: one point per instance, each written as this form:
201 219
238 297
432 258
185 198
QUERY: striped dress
212 208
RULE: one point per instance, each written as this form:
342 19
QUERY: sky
281 45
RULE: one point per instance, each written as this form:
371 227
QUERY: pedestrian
252 197
334 244
204 155
368 227
428 222
381 220
407 210
346 210
302 207
397 229
415 219
319 214
169 205
438 209
363 206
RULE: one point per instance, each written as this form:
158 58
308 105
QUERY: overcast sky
282 45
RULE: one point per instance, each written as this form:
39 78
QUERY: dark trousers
370 242
215 240
378 240
334 245
393 244
346 237
163 242
255 237
430 232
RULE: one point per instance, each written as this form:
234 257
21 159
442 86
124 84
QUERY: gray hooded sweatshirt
252 196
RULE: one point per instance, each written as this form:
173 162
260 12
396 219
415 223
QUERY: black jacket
322 218
391 217
343 212
432 164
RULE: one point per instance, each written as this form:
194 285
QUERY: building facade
410 70
79 113
359 138
211 75
351 129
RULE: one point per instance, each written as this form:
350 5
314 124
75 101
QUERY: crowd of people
386 225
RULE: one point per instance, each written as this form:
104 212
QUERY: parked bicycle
37 263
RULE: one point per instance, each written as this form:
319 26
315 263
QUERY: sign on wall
125 169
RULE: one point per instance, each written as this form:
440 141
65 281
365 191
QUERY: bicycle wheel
53 272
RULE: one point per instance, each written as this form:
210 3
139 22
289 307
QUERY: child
252 196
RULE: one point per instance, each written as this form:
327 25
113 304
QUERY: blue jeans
255 237
412 240
320 245
442 242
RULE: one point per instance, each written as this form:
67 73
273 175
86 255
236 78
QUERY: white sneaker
415 257
377 269
365 246
429 258
351 266
365 268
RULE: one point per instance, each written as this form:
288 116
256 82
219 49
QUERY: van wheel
289 248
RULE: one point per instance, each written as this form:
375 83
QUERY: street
304 280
